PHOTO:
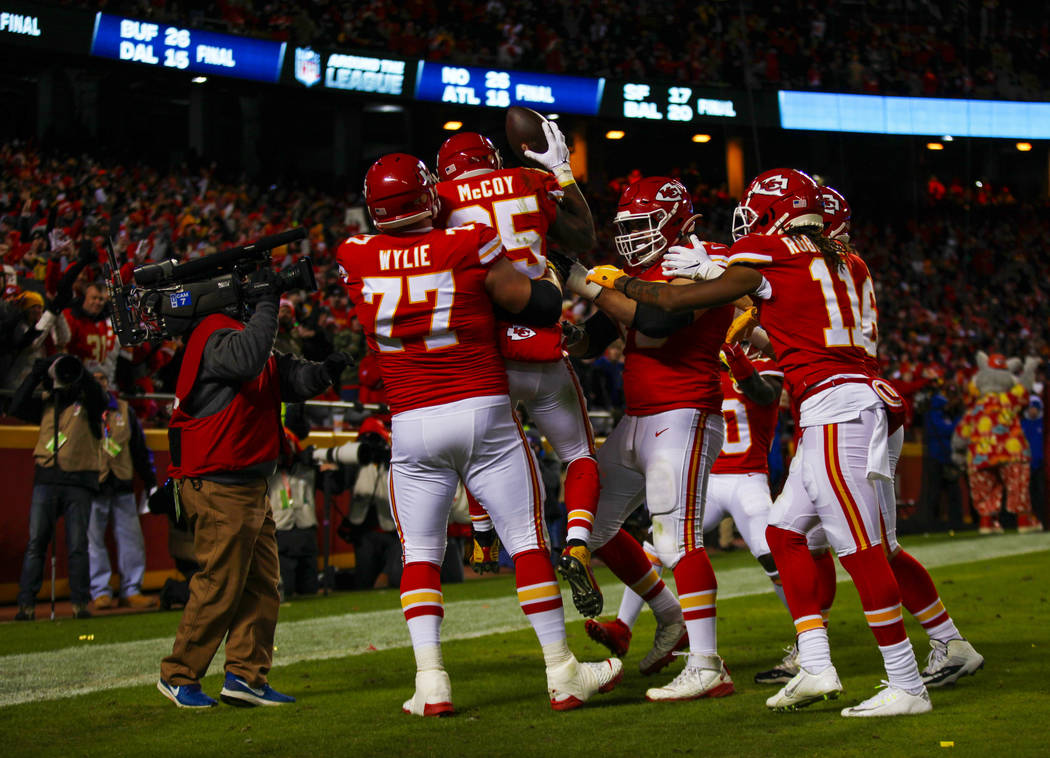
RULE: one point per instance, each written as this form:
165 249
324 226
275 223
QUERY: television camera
165 299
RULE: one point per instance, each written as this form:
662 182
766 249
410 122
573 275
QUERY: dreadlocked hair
834 252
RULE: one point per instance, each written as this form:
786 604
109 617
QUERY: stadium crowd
986 49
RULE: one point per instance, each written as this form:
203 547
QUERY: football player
661 451
739 482
951 655
528 207
817 307
425 300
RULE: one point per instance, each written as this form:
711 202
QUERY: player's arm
532 302
573 227
736 282
764 390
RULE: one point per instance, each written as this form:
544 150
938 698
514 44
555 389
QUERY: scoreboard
182 49
499 88
665 102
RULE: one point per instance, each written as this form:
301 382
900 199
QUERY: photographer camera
226 439
67 472
370 526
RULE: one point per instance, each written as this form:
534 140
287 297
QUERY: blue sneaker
186 695
235 691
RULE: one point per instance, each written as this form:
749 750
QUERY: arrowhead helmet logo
775 186
670 192
517 333
307 66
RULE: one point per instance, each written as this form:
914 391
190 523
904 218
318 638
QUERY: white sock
428 657
902 670
814 650
557 653
630 606
944 631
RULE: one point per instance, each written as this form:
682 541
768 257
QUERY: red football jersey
821 320
89 340
749 426
681 371
520 204
422 302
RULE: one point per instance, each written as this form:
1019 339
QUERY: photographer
370 526
66 477
291 493
226 438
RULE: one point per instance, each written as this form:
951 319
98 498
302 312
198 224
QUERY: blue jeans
131 547
50 502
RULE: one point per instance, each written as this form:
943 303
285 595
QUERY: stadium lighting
979 183
614 134
451 126
701 138
934 146
384 108
1024 147
199 79
947 138
553 116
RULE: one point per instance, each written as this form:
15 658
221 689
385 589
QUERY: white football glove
556 159
577 282
691 261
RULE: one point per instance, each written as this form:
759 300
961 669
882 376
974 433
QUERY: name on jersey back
414 257
499 185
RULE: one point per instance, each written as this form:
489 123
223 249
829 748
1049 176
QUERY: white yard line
81 670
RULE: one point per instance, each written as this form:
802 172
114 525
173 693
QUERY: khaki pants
234 595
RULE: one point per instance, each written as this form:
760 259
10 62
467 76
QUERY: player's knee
661 490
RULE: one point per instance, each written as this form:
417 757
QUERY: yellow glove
606 276
742 326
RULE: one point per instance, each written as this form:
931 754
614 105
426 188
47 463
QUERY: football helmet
400 190
466 151
652 214
776 201
837 214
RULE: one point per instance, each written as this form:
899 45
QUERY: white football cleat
668 638
433 696
805 689
703 676
573 683
891 701
949 662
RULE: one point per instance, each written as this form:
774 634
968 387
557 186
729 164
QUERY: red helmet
837 214
466 151
776 201
651 215
400 190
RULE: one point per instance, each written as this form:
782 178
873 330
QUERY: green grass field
347 659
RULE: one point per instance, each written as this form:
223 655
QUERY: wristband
563 173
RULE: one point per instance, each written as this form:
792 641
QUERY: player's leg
951 655
623 488
791 518
504 476
616 634
422 484
554 400
677 449
848 506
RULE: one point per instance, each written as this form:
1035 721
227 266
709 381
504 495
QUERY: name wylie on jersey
417 256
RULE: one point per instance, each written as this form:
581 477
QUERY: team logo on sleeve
518 333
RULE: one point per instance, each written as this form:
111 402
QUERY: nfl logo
307 66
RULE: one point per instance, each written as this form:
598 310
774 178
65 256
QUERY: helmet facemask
641 239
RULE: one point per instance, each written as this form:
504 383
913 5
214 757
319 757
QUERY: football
525 127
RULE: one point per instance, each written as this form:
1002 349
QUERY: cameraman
67 465
226 438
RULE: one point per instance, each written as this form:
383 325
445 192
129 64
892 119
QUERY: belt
827 384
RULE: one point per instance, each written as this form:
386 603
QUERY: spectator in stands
122 454
33 337
91 333
1032 423
940 496
67 470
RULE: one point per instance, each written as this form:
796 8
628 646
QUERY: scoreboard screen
666 102
182 49
497 88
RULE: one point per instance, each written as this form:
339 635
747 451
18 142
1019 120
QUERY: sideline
68 672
